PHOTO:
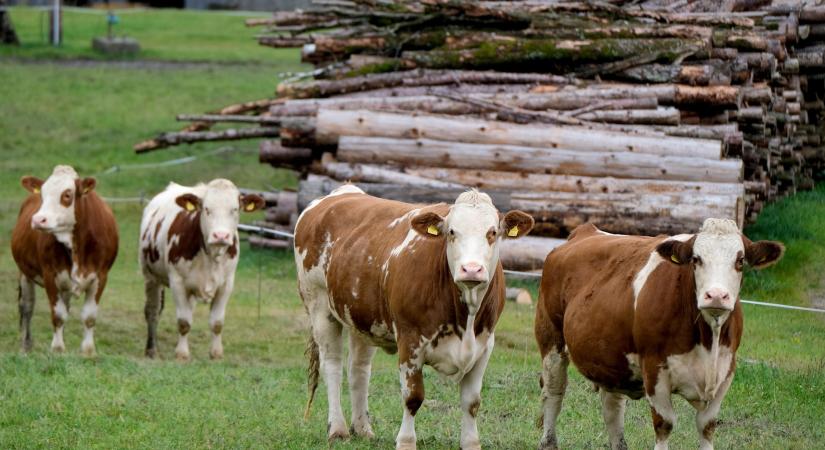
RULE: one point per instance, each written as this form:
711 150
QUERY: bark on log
412 78
629 213
268 243
526 253
170 139
525 181
332 124
426 152
694 75
274 153
380 174
229 118
659 116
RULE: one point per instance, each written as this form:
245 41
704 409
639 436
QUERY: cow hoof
364 431
182 357
471 446
151 353
88 351
216 354
26 347
405 446
337 435
548 443
58 348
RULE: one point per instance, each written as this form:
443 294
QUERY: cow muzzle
471 275
40 222
716 302
220 238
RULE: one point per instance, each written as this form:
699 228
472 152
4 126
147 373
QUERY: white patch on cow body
634 365
688 375
412 235
404 218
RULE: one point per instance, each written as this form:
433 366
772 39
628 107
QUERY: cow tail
313 370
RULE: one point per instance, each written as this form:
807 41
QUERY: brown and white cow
645 317
423 281
189 243
66 241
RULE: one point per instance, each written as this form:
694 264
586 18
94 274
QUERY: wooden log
332 124
518 295
283 42
434 104
316 186
380 174
527 253
169 139
659 116
269 243
274 153
427 152
230 118
540 54
694 75
629 213
526 181
412 78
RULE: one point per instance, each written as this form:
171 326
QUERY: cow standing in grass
189 243
645 317
66 241
423 281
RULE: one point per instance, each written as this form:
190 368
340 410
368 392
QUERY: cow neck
706 334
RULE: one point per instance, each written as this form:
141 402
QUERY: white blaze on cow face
717 255
58 195
220 208
473 230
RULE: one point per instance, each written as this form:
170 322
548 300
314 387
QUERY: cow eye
207 211
697 260
740 263
452 233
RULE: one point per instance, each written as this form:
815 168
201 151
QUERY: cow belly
691 375
449 357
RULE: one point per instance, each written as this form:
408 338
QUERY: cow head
58 196
219 209
473 230
717 255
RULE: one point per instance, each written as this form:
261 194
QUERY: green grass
254 398
163 34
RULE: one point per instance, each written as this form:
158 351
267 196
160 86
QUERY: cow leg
326 331
184 307
412 392
613 406
59 306
661 408
89 315
471 399
706 417
151 311
26 308
358 373
216 317
553 386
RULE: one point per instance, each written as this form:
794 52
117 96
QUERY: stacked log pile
640 120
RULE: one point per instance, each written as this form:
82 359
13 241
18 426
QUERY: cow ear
677 252
31 184
516 224
252 202
428 224
189 202
85 185
763 254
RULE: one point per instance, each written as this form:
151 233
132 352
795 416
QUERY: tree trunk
170 139
332 124
526 253
380 174
432 153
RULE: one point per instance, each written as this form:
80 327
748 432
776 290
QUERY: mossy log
540 54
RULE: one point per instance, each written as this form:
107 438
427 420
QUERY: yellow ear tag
674 259
86 191
513 231
250 206
432 230
36 190
190 206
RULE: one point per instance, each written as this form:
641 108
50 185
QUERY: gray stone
116 45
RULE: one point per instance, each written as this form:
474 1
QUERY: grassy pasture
90 116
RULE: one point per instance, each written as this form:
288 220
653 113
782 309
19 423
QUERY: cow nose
38 221
716 298
220 236
472 274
